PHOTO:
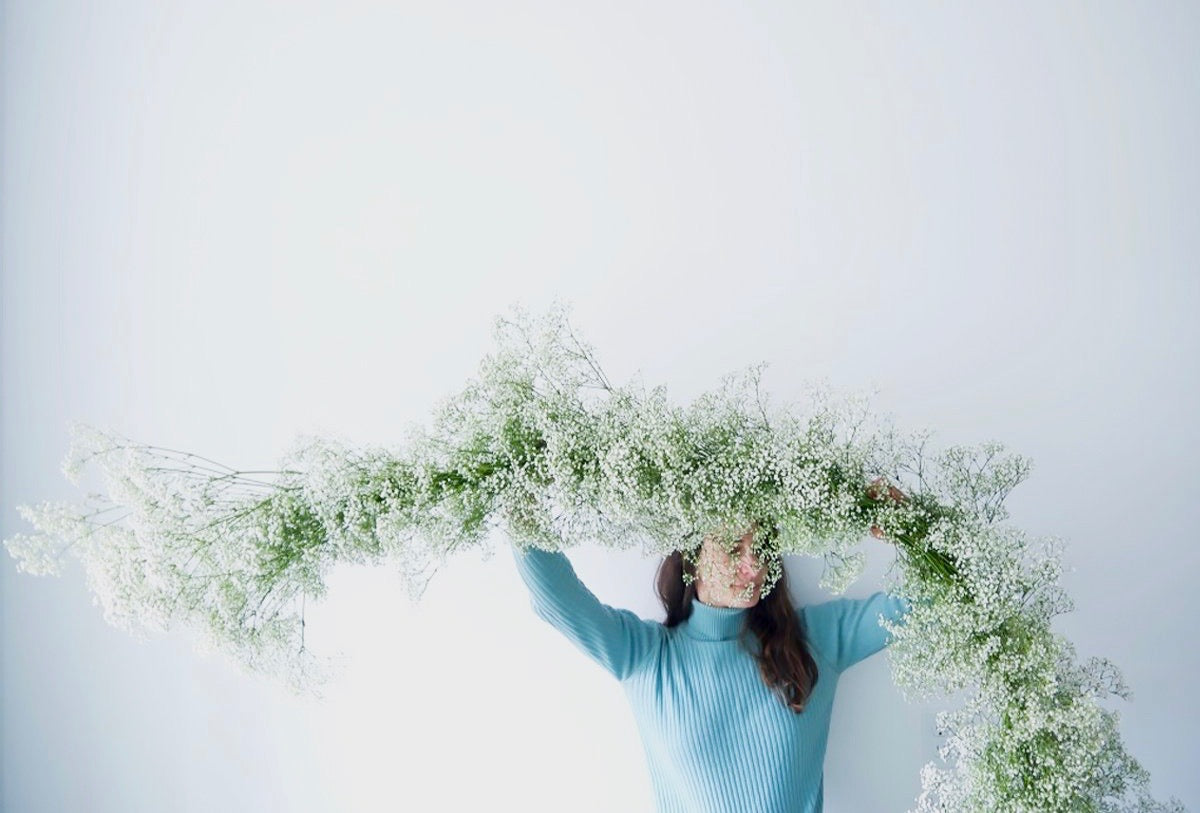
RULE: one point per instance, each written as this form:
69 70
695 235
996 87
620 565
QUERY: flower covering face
725 580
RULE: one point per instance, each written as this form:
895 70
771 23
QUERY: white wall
225 224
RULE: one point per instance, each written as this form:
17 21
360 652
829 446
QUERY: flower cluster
542 445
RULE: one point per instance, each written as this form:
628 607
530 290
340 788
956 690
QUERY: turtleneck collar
708 623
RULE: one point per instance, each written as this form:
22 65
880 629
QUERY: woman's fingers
873 488
893 492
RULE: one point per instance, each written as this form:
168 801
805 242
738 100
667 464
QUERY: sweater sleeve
618 640
848 630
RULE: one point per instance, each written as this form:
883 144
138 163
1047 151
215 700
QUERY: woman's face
729 581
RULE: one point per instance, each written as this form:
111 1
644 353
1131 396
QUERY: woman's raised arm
617 639
848 629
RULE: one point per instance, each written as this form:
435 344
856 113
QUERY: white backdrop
226 224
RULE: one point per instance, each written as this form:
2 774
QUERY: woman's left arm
858 633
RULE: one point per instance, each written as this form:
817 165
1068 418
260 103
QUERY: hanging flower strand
544 447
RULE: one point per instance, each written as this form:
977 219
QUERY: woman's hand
894 494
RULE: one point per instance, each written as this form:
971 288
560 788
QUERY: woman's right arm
617 639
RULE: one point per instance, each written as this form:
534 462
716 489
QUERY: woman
732 694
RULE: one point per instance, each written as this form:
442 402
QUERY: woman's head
729 578
734 577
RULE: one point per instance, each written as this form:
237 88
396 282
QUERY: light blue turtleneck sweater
716 738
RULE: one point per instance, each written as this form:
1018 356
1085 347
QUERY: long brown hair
786 665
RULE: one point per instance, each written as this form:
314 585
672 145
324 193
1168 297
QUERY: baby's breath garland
542 445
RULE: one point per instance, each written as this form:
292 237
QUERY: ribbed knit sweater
716 738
